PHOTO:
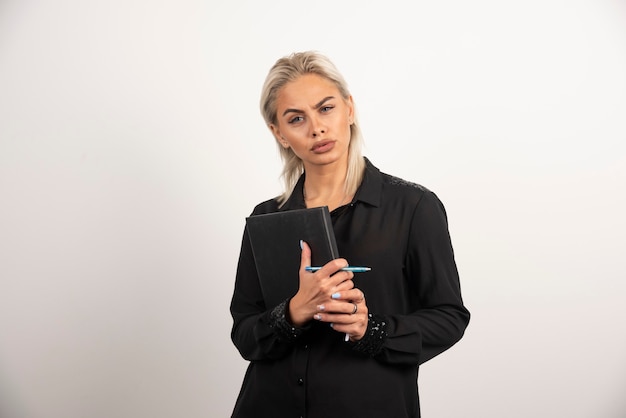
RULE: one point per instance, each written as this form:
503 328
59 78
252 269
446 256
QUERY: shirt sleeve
438 318
258 332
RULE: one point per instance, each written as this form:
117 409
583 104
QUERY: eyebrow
317 106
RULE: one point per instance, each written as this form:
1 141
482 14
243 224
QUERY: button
301 381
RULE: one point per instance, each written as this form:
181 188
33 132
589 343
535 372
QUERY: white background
132 148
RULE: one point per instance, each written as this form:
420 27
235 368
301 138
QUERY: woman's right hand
317 287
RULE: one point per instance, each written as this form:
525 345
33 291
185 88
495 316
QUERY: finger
352 295
332 309
355 309
343 286
333 268
346 321
360 298
305 255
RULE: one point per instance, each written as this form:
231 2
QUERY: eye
295 119
327 108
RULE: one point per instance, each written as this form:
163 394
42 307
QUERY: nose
321 131
317 127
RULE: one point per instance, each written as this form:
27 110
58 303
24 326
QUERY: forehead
306 90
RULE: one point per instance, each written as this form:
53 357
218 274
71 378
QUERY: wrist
375 336
278 321
295 313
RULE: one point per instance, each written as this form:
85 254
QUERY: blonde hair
288 69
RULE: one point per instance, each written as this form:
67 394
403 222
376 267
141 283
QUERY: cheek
295 134
290 140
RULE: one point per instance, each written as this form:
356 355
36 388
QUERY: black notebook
275 239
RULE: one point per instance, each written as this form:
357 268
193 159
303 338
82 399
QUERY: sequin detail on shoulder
397 181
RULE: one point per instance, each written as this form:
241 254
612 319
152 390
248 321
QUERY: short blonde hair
288 69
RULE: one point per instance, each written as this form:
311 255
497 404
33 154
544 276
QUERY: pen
349 268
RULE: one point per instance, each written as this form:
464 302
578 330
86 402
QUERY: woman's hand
329 295
316 289
346 312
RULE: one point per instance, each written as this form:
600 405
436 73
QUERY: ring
355 309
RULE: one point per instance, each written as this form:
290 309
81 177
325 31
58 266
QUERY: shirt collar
370 190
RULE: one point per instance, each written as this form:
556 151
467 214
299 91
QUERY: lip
323 146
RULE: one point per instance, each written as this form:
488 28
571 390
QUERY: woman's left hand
346 312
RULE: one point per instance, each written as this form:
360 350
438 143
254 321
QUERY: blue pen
349 268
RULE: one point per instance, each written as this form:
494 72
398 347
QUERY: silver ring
356 308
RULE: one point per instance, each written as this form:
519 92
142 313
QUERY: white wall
132 148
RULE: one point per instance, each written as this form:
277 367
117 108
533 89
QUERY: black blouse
400 230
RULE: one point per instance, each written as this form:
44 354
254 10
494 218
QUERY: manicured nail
332 325
321 308
336 295
317 316
301 245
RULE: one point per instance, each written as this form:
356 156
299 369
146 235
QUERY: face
314 120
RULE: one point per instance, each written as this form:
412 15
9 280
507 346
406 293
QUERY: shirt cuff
283 328
374 338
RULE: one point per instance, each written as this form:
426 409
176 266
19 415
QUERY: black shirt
400 230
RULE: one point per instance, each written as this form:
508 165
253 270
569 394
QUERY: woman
403 312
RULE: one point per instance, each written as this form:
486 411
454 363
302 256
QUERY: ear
350 103
281 141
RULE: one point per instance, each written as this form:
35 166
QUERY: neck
325 186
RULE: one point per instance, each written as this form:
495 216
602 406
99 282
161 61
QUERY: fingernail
321 307
335 295
301 245
317 316
332 325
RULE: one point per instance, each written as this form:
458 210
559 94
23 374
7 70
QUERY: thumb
305 255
